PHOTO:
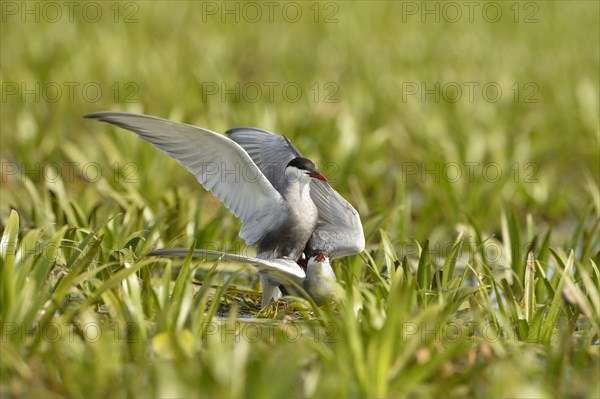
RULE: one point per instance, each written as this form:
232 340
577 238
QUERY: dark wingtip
109 117
95 115
231 131
234 130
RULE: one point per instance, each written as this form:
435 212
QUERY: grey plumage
286 206
207 155
339 230
278 221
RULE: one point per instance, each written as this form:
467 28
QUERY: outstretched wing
275 269
339 230
219 164
271 152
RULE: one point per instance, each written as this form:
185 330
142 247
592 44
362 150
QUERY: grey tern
339 230
286 205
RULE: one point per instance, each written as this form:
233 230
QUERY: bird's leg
269 291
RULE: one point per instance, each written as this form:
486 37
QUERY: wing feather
271 152
275 269
220 165
339 229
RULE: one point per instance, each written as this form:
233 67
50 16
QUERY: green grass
478 285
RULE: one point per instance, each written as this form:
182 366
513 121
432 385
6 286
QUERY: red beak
317 175
320 257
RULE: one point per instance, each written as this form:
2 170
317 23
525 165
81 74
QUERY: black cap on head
307 165
303 163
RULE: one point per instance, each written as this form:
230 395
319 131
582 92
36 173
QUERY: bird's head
302 168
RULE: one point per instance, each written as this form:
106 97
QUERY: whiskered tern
287 207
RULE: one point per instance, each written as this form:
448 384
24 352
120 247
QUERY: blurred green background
431 118
379 92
